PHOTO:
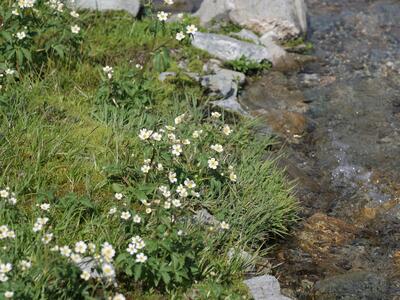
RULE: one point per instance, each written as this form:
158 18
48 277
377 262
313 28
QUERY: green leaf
117 188
27 54
60 50
20 56
137 271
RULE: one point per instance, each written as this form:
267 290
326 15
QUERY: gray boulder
247 35
131 6
224 82
265 287
287 18
227 48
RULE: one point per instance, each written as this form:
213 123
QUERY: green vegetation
248 66
102 163
296 43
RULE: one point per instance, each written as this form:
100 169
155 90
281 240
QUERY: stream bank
340 120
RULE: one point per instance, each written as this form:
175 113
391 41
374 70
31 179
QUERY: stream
340 119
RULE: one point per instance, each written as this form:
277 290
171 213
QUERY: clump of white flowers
8 196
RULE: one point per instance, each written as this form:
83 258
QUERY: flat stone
231 104
227 49
225 82
264 288
165 75
131 6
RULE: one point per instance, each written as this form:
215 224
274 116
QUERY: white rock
264 288
227 48
246 34
131 6
287 18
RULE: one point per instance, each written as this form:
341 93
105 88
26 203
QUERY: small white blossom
141 258
176 203
112 211
65 251
74 14
137 219
215 115
47 238
180 36
118 297
169 2
25 265
75 29
176 150
145 134
9 294
233 177
217 147
190 184
226 130
162 16
145 169
85 275
179 119
80 247
191 29
125 215
45 206
213 163
21 35
107 251
172 177
108 270
224 225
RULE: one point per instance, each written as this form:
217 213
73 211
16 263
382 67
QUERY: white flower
80 247
182 191
176 150
118 297
107 251
108 270
156 136
131 249
148 210
5 267
191 29
180 36
145 169
25 265
224 225
75 29
4 193
215 115
196 134
179 119
162 16
169 2
125 215
141 258
85 275
9 72
169 128
217 147
118 196
172 177
15 12
160 167
145 134
139 66
65 251
47 238
190 184
76 258
26 3
137 219
45 206
21 35
213 163
9 294
108 69
226 130
176 203
3 277
233 177
92 247
112 211
74 14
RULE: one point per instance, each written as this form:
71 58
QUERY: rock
264 288
247 35
179 6
231 104
212 66
322 234
354 285
286 18
211 9
165 75
90 265
227 48
131 6
203 217
225 82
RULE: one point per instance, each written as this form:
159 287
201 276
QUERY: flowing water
340 118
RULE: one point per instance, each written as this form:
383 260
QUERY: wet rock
227 48
322 234
131 6
265 287
355 285
286 18
246 35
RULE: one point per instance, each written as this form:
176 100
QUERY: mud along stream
340 119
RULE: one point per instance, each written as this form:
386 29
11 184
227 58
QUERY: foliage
248 66
34 31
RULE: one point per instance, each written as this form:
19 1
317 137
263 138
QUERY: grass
60 144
